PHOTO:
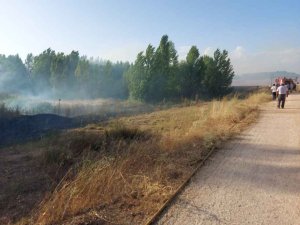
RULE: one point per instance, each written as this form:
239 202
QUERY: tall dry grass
127 176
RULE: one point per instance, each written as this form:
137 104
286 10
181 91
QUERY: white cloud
182 51
209 51
269 60
238 52
123 53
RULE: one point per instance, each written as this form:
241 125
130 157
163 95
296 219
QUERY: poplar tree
218 74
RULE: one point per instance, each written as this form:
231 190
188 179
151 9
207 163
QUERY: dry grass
121 173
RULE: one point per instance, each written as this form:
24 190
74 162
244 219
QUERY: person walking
282 93
273 89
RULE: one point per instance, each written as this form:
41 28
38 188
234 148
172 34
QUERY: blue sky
261 35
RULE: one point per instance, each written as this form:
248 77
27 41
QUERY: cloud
269 60
209 51
123 53
182 51
238 52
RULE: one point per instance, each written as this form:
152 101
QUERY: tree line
156 74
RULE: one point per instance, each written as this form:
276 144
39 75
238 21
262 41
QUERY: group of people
281 92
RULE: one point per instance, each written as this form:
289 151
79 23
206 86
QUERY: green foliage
137 79
73 76
218 74
155 75
192 72
82 70
41 69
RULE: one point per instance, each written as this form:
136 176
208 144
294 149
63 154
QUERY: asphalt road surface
254 179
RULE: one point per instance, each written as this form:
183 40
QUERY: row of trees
76 76
59 75
155 75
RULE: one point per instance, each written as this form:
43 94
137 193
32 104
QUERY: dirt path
254 179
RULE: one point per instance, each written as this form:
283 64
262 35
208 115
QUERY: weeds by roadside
125 170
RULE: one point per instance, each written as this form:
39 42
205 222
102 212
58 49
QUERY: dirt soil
254 179
23 183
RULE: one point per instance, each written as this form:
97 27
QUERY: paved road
254 179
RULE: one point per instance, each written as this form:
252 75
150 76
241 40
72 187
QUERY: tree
156 73
218 74
71 64
41 69
82 70
29 62
164 80
58 71
136 78
192 73
153 75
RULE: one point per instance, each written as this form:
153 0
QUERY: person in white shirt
273 89
282 93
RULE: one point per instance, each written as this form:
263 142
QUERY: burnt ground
25 128
23 183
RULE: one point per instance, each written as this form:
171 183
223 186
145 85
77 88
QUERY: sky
260 35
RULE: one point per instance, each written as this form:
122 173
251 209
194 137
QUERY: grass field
122 171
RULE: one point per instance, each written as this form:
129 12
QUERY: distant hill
263 78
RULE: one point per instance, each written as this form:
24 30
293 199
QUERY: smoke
50 83
100 108
13 76
10 83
